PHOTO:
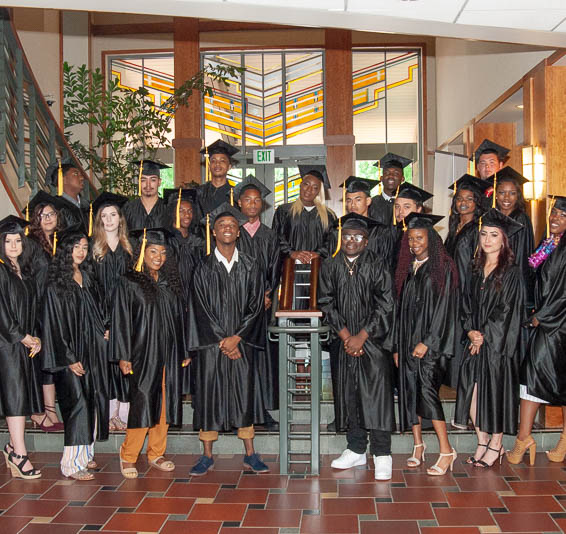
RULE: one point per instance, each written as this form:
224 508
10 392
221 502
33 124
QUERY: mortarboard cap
559 202
250 182
150 167
507 174
52 171
220 147
154 236
106 199
71 232
489 147
393 160
12 225
225 210
493 217
407 190
41 197
318 171
354 184
354 221
472 183
172 195
422 220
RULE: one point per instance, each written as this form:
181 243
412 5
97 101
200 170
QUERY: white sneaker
383 467
349 459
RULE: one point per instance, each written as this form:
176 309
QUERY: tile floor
232 501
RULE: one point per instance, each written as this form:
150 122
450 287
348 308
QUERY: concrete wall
471 75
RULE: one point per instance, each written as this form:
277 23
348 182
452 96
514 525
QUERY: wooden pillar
339 138
187 142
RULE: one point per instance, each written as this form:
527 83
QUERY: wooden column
339 138
555 128
187 142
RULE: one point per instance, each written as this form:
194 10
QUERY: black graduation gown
147 330
73 331
210 197
498 316
137 217
264 248
522 244
20 385
544 368
381 210
461 247
425 316
363 300
304 232
108 272
69 214
225 304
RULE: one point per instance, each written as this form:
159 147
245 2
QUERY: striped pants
76 458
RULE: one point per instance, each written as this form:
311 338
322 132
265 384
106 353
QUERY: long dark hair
438 259
505 260
169 271
454 219
60 272
35 231
521 204
24 259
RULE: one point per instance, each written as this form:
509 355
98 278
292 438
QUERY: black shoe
331 427
269 423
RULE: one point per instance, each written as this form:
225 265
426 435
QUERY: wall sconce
534 171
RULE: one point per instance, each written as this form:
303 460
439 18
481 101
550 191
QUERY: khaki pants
246 432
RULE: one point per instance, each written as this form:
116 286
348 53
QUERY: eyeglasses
48 215
358 238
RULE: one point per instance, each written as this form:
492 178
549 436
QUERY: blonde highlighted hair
322 210
100 244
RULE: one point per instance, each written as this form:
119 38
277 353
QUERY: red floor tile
450 530
84 515
13 524
37 486
525 522
424 480
33 508
272 518
325 524
251 530
179 489
74 492
418 495
369 476
463 516
402 510
245 496
534 503
473 499
312 485
371 489
389 527
50 528
104 479
539 473
216 512
329 472
117 499
166 505
136 522
218 477
9 499
352 506
294 501
483 484
537 488
191 527
146 484
263 481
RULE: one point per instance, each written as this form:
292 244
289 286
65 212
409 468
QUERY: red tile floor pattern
230 500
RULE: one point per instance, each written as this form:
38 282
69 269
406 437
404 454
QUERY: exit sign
264 157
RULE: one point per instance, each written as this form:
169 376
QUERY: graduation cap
75 231
318 171
471 183
422 220
507 174
489 147
355 184
353 221
13 225
493 217
150 167
41 197
149 236
559 202
392 160
106 199
407 190
55 172
177 196
250 182
220 147
224 210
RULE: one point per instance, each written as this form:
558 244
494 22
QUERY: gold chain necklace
350 266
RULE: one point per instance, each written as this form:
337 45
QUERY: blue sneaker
202 466
255 464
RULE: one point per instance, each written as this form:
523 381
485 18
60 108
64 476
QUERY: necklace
418 263
350 266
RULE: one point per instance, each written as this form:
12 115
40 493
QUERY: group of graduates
119 307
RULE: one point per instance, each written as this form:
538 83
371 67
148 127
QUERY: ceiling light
519 106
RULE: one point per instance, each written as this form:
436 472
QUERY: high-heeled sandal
559 452
7 449
471 460
58 425
17 468
436 470
413 461
484 464
515 456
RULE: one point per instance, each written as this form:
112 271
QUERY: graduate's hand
304 256
228 344
420 350
534 321
77 368
234 355
266 301
186 362
354 344
125 367
396 359
107 335
32 343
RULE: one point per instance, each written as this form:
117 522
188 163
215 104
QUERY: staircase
30 138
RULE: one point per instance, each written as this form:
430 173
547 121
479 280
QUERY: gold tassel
207 166
404 226
54 243
140 178
455 191
396 193
178 211
26 231
60 180
479 231
90 221
380 185
339 237
552 202
139 264
493 202
343 201
231 196
207 234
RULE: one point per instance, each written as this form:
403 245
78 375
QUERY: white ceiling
536 22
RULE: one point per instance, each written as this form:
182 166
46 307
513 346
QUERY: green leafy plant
125 125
